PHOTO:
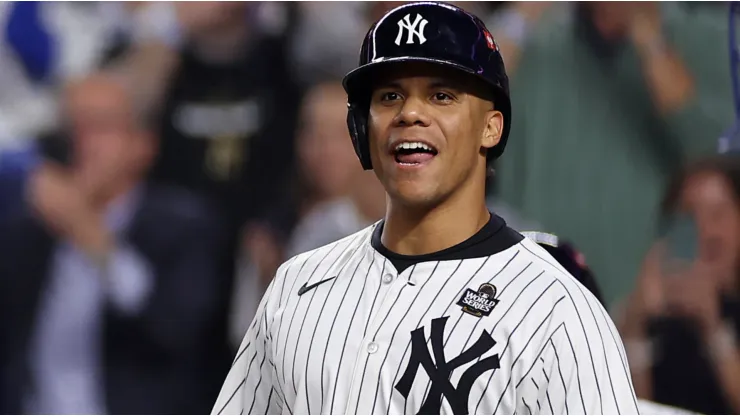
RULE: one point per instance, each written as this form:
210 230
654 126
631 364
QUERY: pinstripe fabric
346 346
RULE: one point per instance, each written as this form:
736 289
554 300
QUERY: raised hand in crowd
694 293
669 81
684 315
647 300
63 206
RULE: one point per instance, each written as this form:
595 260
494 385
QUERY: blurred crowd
159 161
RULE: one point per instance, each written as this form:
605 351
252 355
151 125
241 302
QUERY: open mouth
413 153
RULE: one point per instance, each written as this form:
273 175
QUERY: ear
493 129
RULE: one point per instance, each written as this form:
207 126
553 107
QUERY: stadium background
244 119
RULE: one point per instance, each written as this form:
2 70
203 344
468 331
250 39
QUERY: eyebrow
440 83
388 84
437 83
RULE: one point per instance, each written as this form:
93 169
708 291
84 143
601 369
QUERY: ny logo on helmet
412 30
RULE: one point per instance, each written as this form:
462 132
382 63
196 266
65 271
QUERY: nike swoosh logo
305 288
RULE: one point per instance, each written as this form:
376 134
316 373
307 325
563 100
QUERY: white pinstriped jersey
508 333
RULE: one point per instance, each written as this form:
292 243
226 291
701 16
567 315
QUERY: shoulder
323 260
564 291
549 303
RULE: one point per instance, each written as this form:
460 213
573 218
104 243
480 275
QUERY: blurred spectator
332 198
334 219
108 285
325 168
609 100
217 74
680 326
341 197
229 116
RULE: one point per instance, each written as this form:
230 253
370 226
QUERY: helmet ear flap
357 125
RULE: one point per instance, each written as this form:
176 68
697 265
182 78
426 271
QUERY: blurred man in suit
109 291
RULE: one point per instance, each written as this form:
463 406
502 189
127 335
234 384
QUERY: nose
412 113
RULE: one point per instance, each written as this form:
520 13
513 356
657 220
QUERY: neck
419 231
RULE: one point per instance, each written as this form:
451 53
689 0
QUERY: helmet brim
359 79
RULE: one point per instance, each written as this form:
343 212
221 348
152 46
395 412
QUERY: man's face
709 198
107 144
325 150
429 133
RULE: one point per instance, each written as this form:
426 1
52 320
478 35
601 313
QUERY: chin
414 195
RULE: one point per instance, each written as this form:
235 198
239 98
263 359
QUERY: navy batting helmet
432 32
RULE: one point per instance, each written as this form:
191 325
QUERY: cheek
117 149
720 235
93 150
377 133
462 142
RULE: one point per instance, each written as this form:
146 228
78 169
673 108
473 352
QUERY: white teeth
413 145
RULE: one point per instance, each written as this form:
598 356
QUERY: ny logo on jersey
412 30
440 370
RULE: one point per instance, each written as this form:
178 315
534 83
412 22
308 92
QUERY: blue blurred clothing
15 167
42 46
29 37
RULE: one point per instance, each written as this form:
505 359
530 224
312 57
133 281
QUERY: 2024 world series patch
479 302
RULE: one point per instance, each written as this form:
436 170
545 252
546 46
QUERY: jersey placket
391 284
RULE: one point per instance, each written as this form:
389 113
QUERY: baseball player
440 308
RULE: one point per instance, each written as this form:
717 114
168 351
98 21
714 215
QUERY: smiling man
439 308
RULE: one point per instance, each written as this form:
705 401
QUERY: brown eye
443 97
390 96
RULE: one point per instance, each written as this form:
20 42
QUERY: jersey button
372 347
387 278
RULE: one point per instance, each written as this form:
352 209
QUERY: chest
438 338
